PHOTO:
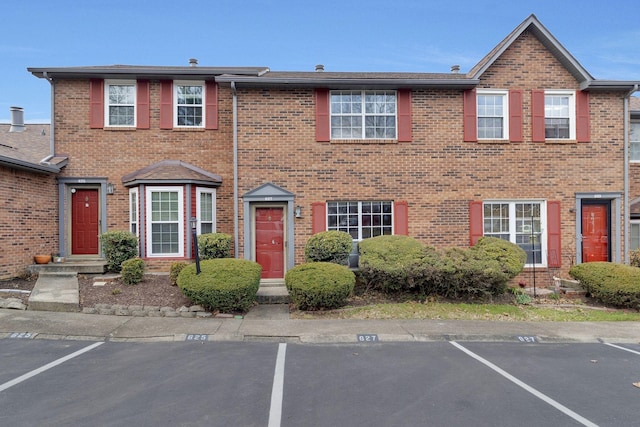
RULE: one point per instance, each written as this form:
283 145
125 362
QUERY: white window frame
359 214
134 212
363 113
634 227
634 140
107 104
505 111
150 222
176 106
199 192
572 112
513 228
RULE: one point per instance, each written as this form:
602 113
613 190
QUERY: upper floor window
121 103
189 104
363 115
635 141
559 115
493 117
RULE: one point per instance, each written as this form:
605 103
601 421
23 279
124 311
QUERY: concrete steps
272 292
55 291
81 266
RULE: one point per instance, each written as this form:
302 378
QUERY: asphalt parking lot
201 383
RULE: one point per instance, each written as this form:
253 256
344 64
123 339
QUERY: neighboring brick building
29 213
527 146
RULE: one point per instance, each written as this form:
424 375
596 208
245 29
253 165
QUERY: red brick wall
437 173
28 219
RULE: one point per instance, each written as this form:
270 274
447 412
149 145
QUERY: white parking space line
623 348
48 366
527 387
275 413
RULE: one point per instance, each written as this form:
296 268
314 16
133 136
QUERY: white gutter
627 208
236 234
52 128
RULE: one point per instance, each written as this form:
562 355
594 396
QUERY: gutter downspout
627 209
52 150
236 234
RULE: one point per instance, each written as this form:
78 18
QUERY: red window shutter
554 232
470 116
537 115
318 217
211 99
583 119
401 218
142 107
515 116
404 115
476 222
323 118
96 104
166 104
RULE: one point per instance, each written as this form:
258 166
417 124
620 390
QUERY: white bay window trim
178 221
206 213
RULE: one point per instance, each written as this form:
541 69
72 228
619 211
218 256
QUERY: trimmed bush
214 245
610 283
634 258
329 246
133 271
510 256
224 284
117 247
397 264
176 268
319 285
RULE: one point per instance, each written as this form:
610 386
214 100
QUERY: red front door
269 242
84 222
595 232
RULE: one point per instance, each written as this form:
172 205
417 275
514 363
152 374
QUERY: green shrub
117 247
397 264
214 245
329 246
318 285
634 258
225 284
510 256
132 271
610 283
176 268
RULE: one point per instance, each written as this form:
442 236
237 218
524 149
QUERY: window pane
369 115
121 105
635 141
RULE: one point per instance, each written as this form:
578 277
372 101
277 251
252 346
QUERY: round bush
175 270
510 256
118 246
224 284
318 285
133 271
610 283
329 246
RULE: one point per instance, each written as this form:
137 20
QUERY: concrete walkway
55 291
271 322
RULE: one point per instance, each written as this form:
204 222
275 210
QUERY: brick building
526 146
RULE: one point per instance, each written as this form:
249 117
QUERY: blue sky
295 35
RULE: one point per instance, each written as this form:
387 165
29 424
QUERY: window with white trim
634 139
189 104
133 211
165 221
493 116
361 219
206 208
120 97
634 234
520 222
559 115
363 114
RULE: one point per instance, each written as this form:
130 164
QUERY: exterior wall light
111 188
298 211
